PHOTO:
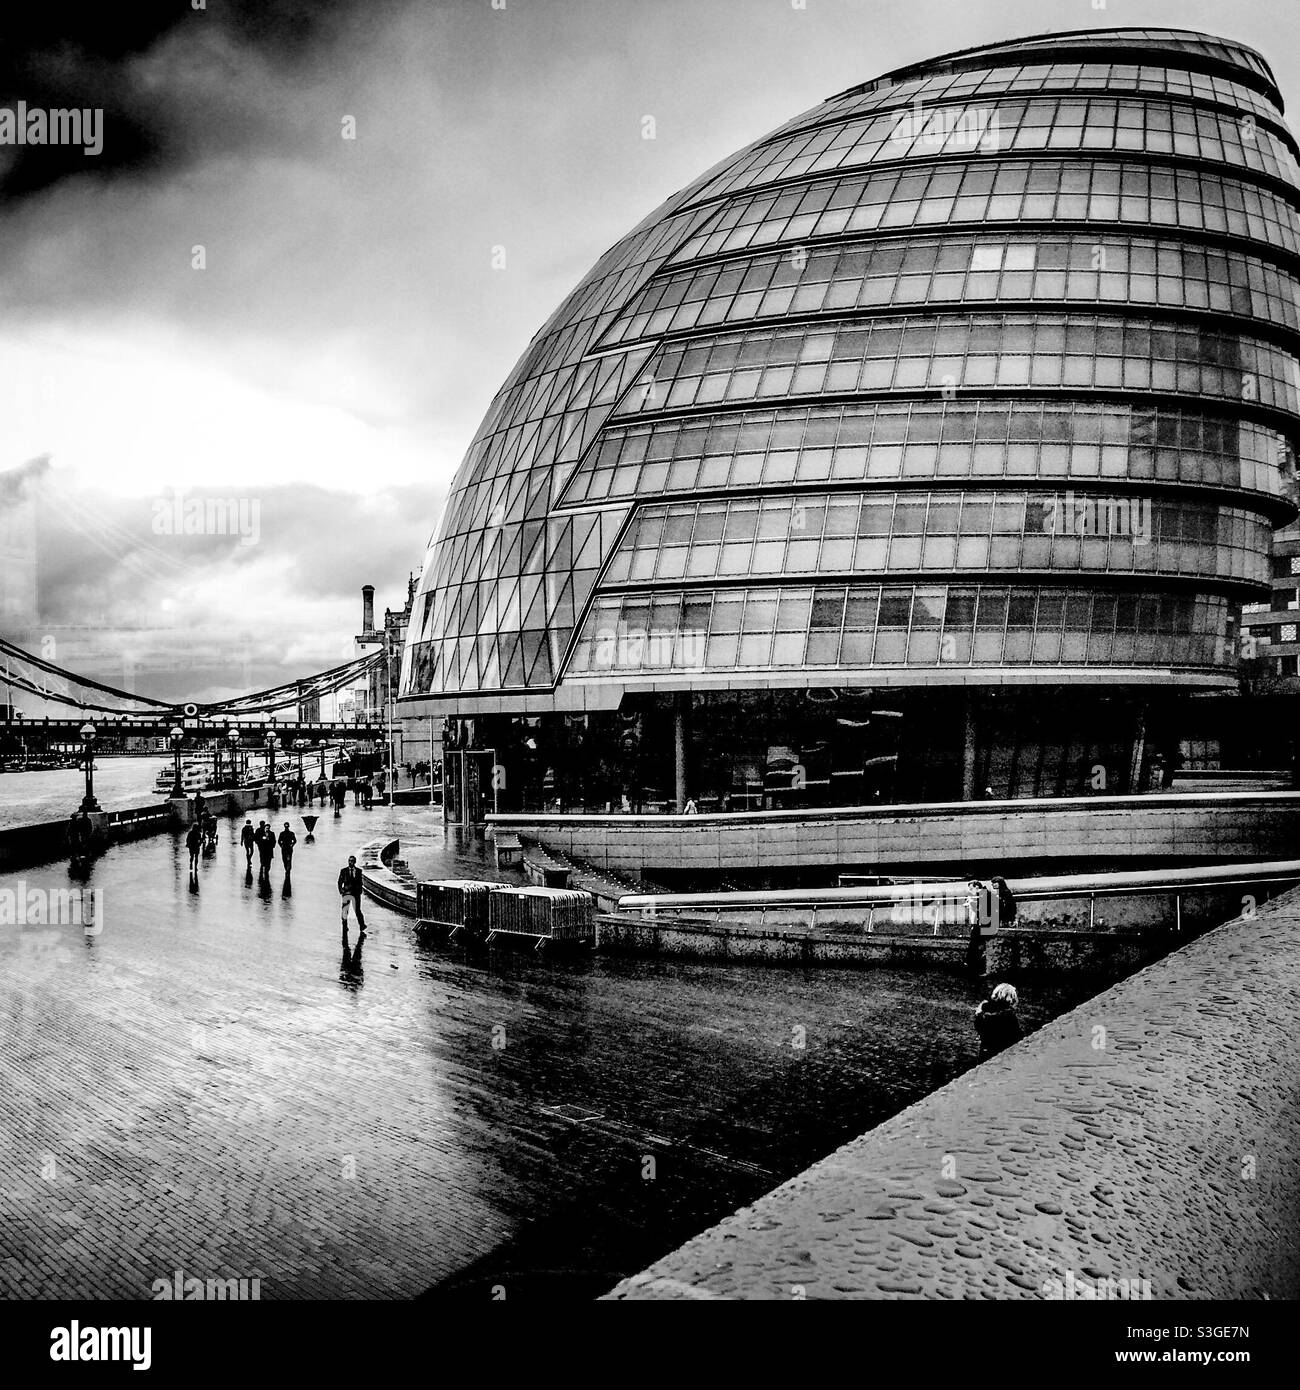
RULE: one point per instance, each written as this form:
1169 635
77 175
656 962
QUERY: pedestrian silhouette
350 886
265 846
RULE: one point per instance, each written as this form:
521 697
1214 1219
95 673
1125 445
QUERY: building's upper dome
986 370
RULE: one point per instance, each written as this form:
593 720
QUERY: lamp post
88 802
177 737
388 691
323 746
271 740
299 744
232 738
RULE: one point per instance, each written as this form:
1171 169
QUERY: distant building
1271 628
380 698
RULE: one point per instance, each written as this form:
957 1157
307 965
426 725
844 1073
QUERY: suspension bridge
78 700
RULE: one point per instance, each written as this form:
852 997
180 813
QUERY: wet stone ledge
1150 1136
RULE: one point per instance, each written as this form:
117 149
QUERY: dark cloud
97 57
202 616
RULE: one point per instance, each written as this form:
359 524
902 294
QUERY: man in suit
287 840
350 884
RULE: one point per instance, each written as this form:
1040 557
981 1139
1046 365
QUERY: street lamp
232 737
299 744
88 802
177 737
271 740
323 746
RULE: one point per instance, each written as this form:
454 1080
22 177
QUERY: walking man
287 841
194 843
350 883
247 838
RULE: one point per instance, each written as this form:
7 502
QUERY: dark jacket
247 835
195 838
1006 902
287 839
350 882
997 1025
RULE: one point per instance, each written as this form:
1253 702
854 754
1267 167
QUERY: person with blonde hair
996 1021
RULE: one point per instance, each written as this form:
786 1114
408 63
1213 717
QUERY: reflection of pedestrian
350 971
194 843
350 886
996 1021
287 841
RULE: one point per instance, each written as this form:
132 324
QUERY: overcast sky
333 359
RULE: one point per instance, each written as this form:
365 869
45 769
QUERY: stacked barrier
455 905
546 914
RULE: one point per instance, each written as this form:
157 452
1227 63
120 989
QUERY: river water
27 798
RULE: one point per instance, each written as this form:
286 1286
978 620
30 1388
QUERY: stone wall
978 835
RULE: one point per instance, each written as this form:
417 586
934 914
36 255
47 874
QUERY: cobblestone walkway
203 1087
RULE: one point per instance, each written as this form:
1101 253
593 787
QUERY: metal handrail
903 810
1130 882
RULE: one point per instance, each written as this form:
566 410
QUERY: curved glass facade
984 372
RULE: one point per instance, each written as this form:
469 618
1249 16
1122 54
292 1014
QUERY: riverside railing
895 810
947 903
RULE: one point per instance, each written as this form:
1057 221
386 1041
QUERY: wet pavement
215 1084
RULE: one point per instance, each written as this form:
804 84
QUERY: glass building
927 447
